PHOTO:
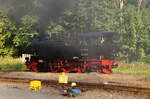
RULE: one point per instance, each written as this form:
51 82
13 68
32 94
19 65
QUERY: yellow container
35 85
63 78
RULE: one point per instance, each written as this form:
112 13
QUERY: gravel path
20 91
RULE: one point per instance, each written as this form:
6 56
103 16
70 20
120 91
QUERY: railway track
86 86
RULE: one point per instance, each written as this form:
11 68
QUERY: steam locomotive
79 53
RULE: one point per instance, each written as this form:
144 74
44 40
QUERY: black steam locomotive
73 52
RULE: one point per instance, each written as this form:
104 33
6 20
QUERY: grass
11 64
135 67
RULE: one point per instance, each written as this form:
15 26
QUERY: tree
13 37
25 32
88 16
135 34
7 33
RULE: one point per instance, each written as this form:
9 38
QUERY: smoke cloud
45 10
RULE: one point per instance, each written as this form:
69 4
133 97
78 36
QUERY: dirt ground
140 80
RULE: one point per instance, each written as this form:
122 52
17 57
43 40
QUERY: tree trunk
119 4
139 4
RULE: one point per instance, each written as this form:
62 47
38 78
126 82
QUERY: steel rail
83 85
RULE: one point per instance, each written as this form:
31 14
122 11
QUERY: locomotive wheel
79 70
54 71
82 70
35 69
64 70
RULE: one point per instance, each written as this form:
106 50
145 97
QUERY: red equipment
74 65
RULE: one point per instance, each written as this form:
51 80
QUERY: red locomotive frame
74 65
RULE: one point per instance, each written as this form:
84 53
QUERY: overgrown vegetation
11 64
134 67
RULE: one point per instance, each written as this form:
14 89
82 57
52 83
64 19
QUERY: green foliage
86 16
69 22
12 37
134 36
29 21
25 32
24 36
55 28
6 36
